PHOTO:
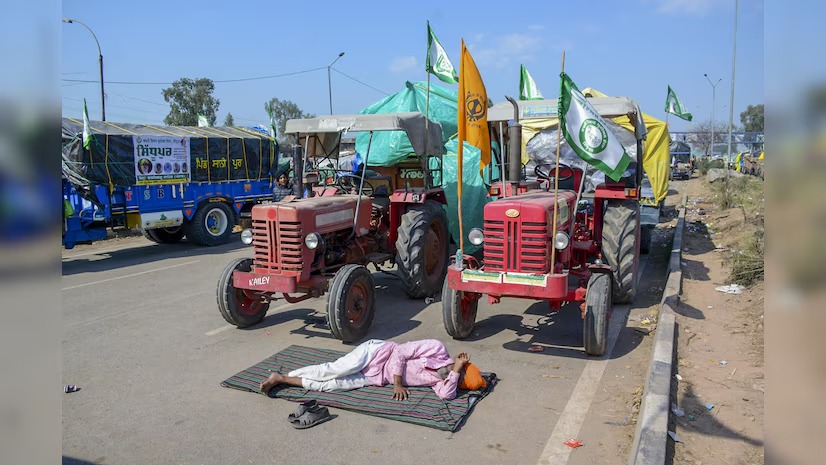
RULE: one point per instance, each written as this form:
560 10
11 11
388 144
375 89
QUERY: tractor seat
381 197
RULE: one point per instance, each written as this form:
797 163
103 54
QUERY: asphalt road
145 342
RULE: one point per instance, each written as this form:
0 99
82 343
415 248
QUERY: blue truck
170 182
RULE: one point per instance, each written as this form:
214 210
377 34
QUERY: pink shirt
416 362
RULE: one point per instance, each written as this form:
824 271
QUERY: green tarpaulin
391 148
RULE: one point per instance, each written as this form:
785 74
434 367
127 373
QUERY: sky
634 48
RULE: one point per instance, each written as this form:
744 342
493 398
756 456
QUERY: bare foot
271 382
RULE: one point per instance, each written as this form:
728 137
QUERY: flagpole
427 120
460 152
556 177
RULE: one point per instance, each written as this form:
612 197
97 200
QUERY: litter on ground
730 289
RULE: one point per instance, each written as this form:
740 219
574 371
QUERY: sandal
302 409
311 418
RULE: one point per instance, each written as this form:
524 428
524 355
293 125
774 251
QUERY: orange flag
473 120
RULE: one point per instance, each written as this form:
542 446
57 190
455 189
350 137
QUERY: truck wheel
352 303
619 246
645 240
421 249
150 235
239 307
597 313
211 225
458 312
171 235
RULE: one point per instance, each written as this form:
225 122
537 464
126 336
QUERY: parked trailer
170 182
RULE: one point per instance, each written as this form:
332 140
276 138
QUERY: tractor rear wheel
620 228
597 313
239 307
352 303
458 312
422 249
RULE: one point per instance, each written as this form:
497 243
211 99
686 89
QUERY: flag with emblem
203 122
437 62
527 86
87 132
473 109
587 133
272 130
675 107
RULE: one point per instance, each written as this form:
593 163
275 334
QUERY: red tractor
593 256
321 242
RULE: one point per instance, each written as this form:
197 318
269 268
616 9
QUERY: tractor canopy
324 132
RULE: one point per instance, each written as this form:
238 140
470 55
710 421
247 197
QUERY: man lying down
378 363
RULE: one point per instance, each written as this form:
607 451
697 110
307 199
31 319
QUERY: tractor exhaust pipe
514 148
298 171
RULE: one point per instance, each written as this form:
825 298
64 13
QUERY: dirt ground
720 382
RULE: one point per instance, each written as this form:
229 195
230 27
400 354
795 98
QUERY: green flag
87 132
588 134
202 121
437 62
527 86
272 130
673 106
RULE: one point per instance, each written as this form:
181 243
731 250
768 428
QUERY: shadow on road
143 254
74 461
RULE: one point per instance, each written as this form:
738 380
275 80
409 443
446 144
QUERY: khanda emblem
475 107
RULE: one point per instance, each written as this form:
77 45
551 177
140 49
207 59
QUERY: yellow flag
473 108
473 121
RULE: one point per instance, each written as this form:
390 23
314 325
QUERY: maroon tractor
590 256
321 241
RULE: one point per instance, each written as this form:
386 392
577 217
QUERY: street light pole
713 95
100 62
733 62
329 81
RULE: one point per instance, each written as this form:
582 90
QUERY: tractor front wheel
458 312
597 313
619 246
422 249
171 235
352 303
240 307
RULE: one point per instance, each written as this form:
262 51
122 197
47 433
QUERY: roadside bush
747 264
704 164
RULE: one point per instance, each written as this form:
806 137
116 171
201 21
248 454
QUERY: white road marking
569 423
572 417
226 327
130 275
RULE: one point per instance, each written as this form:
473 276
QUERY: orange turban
472 379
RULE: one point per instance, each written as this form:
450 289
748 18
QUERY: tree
752 118
702 136
229 120
187 99
283 110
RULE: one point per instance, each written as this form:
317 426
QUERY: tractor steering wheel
565 172
347 183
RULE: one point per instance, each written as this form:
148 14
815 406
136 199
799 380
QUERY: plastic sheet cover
389 148
474 191
541 149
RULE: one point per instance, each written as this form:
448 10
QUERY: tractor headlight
312 240
246 236
476 236
561 240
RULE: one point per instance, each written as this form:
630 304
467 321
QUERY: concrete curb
651 436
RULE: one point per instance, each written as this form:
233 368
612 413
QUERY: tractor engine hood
319 214
532 207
